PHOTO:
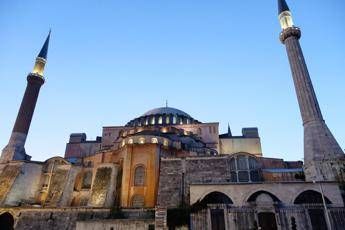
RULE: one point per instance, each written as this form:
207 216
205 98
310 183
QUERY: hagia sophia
167 170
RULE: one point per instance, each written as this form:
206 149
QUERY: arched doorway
217 214
266 219
314 203
6 221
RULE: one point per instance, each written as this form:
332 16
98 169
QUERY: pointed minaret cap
44 51
282 6
229 131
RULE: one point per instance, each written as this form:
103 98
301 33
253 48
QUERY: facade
166 169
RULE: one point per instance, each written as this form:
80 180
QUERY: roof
277 170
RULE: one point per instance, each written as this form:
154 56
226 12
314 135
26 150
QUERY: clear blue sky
220 61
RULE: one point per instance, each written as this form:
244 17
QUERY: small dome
163 116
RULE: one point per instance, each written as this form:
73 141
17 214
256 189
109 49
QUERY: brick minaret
15 148
321 150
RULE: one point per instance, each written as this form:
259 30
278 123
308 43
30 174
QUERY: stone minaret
15 148
321 151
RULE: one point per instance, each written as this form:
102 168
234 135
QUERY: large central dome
166 110
163 116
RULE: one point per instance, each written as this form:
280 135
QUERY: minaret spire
44 51
41 59
15 148
282 6
321 149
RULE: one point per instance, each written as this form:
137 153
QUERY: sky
110 61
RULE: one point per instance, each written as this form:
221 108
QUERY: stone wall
285 192
244 218
128 224
176 175
25 187
52 219
7 177
170 181
104 186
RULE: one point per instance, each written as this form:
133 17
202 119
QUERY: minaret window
139 176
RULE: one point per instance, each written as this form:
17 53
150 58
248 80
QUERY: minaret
321 150
15 148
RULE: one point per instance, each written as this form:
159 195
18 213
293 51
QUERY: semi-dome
163 116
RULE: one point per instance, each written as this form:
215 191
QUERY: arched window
160 120
139 176
174 119
152 120
167 119
244 168
141 140
130 141
154 140
138 201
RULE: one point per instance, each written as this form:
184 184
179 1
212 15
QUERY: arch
60 160
6 221
138 201
139 175
216 198
252 197
310 197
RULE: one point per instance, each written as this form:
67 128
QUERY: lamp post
328 219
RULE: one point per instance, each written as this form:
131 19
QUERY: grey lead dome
163 116
166 110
